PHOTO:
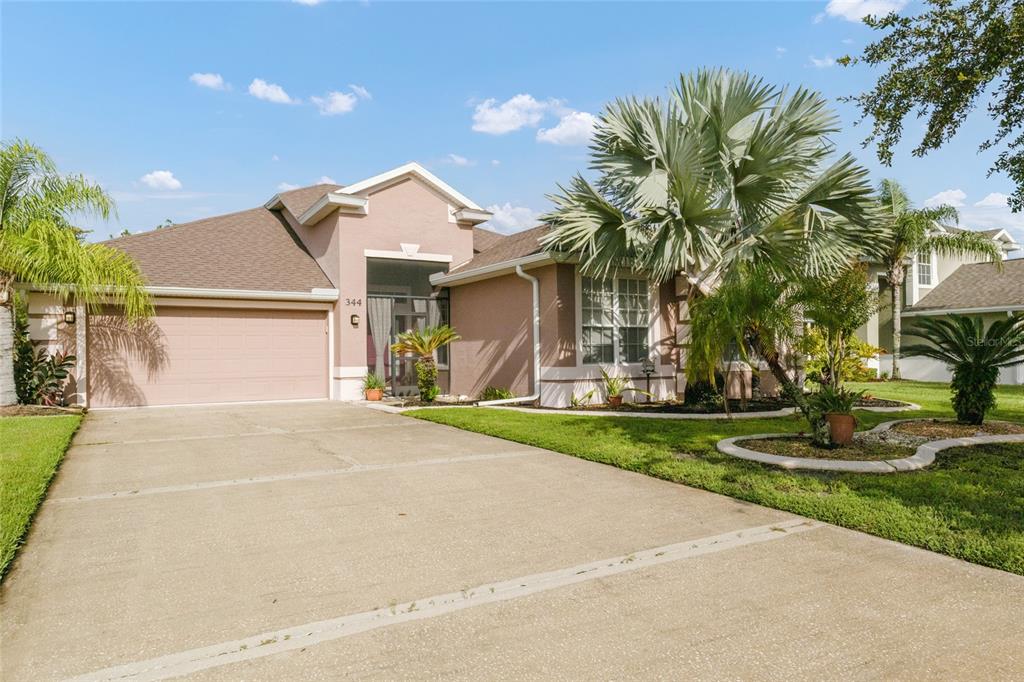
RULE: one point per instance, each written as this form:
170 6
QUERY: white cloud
161 179
308 3
575 127
823 63
508 218
847 41
952 197
993 200
779 51
271 92
335 103
495 162
360 91
457 160
286 187
856 10
515 113
275 157
213 81
326 180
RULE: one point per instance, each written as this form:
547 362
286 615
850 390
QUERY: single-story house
301 297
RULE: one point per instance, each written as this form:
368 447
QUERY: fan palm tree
39 245
727 171
974 355
423 343
914 231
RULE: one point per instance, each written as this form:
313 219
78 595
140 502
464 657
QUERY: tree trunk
8 393
897 323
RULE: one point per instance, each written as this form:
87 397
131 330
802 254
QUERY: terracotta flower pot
840 427
614 401
374 393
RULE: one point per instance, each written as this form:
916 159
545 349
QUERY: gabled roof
309 205
996 234
976 287
484 239
252 250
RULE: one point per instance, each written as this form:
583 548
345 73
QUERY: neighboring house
980 290
927 275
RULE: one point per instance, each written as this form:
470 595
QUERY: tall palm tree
728 170
914 231
974 355
40 246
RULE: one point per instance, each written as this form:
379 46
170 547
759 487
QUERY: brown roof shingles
978 285
484 239
250 250
297 201
518 245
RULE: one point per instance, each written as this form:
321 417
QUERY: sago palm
728 170
914 230
39 245
423 343
974 355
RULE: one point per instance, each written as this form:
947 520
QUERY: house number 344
353 301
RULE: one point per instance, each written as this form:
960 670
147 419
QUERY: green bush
496 393
852 366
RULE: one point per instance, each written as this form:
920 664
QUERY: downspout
536 347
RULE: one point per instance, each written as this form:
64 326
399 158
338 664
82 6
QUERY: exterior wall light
354 319
69 316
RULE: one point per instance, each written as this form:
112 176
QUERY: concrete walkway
327 541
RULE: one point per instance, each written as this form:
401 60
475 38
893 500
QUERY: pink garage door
207 355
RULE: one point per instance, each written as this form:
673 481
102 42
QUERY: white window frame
931 270
653 319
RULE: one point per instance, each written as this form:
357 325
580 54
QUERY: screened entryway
400 298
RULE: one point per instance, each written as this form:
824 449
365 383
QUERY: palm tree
913 231
39 246
423 343
727 171
974 355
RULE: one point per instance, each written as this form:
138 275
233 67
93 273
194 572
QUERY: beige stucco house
301 297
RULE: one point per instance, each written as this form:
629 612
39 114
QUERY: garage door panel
211 355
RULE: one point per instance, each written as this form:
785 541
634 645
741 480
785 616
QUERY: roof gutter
963 311
442 279
536 347
316 295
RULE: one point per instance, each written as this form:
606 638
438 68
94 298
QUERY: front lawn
969 504
30 450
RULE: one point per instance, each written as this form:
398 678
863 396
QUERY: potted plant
836 404
614 387
373 387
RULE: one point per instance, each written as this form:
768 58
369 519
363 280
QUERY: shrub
496 393
373 382
974 355
423 343
852 363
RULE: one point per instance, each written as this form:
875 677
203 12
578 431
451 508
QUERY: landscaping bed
941 429
801 446
31 448
673 407
872 401
37 411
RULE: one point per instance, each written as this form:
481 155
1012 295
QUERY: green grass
969 504
31 448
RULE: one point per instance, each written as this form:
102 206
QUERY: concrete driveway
323 541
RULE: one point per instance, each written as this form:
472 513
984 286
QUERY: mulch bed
870 401
940 429
800 446
762 405
37 411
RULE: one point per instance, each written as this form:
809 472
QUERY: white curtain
433 313
379 311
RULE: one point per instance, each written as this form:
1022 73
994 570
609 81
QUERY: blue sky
186 110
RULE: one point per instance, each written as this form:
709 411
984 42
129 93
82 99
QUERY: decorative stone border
784 412
924 455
